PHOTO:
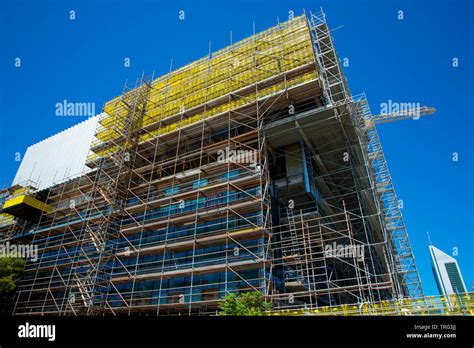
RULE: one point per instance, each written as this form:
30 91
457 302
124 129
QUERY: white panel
58 158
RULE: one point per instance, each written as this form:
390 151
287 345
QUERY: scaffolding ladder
93 267
292 254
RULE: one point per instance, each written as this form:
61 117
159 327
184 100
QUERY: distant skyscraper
447 273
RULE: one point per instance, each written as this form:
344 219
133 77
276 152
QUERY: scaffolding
164 225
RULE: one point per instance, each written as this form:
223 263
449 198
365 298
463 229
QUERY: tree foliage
245 304
10 273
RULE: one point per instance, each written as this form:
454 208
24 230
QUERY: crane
412 113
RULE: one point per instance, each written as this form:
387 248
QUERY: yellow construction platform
26 207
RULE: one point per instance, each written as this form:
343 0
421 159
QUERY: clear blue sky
405 61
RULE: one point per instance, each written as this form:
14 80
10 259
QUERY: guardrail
456 304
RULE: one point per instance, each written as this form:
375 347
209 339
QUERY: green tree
10 273
245 304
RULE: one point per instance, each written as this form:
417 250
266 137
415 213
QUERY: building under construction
252 169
